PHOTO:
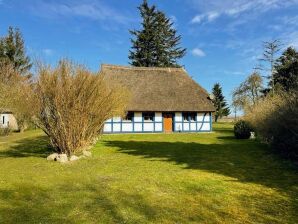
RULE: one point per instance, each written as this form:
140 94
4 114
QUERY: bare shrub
275 120
73 104
16 94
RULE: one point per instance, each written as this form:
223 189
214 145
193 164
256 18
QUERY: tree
15 92
286 67
249 92
156 44
221 108
12 50
271 49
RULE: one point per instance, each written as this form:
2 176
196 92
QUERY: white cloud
198 52
210 11
208 17
91 9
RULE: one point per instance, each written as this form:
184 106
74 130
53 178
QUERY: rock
62 158
252 135
52 157
87 153
74 158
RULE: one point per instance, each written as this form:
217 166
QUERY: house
7 120
162 100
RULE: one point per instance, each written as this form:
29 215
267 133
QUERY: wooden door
168 122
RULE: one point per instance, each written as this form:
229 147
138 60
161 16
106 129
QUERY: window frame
148 115
185 115
194 115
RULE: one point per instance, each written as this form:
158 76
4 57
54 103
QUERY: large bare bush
73 104
275 120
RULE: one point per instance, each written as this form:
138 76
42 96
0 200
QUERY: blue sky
223 37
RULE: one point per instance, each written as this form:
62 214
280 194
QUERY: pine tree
156 44
286 74
271 49
12 50
219 102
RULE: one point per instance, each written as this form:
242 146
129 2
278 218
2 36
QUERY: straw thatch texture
158 89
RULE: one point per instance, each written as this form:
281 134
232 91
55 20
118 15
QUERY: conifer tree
156 44
219 102
286 67
12 50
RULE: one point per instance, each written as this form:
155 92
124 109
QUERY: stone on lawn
252 135
74 158
87 153
62 158
53 156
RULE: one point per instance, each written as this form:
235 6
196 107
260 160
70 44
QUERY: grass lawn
143 178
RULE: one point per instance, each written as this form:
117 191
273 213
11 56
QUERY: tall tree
286 74
156 44
271 49
220 104
249 92
12 50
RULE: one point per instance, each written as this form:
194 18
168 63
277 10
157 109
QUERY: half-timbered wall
201 123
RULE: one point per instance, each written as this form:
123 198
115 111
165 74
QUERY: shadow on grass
247 161
28 147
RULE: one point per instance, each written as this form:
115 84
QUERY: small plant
242 130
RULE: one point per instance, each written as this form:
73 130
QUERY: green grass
143 178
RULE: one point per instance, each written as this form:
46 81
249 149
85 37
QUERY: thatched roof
158 89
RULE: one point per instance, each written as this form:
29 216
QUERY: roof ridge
142 68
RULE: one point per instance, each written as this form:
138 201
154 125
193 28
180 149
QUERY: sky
223 37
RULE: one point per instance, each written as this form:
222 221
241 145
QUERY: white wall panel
178 126
138 117
158 117
186 126
178 116
158 127
193 126
116 127
207 117
205 127
138 127
107 128
148 126
200 117
126 127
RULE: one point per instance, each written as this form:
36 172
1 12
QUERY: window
128 117
3 119
148 116
185 116
192 116
189 116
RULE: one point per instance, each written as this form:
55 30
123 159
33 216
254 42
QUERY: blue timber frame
197 123
133 122
154 122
